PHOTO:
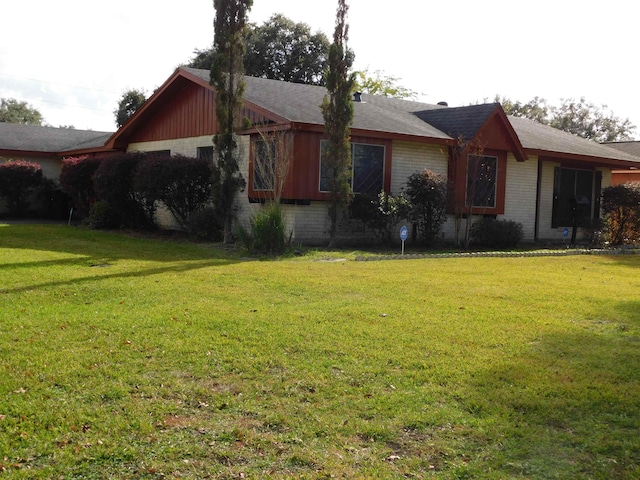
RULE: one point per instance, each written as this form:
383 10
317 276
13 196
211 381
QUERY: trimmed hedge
492 233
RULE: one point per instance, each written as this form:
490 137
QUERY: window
160 152
205 152
573 197
482 178
367 168
264 165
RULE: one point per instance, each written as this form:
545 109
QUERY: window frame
494 181
353 146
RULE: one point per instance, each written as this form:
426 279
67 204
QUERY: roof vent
357 97
443 104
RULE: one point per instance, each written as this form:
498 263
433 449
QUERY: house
47 146
537 175
630 175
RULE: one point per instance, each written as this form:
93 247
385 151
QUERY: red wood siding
303 180
189 112
458 174
623 176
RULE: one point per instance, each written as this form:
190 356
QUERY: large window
576 196
264 166
367 168
482 179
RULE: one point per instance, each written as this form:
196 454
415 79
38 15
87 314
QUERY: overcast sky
73 59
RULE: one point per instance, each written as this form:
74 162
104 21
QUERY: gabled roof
459 122
33 138
300 103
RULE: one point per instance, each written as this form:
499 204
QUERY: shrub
103 215
381 213
621 211
203 225
267 231
53 202
113 182
182 183
76 180
18 180
492 233
427 192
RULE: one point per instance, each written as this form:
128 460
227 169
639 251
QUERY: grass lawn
137 358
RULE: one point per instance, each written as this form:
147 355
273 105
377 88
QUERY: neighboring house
630 175
47 146
537 173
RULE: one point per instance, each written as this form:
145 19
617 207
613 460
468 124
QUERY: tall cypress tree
226 77
337 110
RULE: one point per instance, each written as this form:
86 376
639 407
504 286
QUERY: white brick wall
410 158
520 194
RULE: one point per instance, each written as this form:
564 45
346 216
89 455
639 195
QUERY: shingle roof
32 138
631 147
300 103
459 122
543 138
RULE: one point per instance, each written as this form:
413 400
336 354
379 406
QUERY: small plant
381 213
267 231
492 233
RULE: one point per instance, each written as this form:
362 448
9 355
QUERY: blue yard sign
404 233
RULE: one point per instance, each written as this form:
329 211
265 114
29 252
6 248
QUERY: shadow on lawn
570 405
97 251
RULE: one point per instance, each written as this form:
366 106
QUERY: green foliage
267 231
427 192
337 111
182 183
492 233
381 214
113 182
279 49
14 111
130 101
379 83
621 211
18 180
103 216
203 225
226 78
76 180
579 117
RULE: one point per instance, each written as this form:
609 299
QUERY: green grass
137 358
